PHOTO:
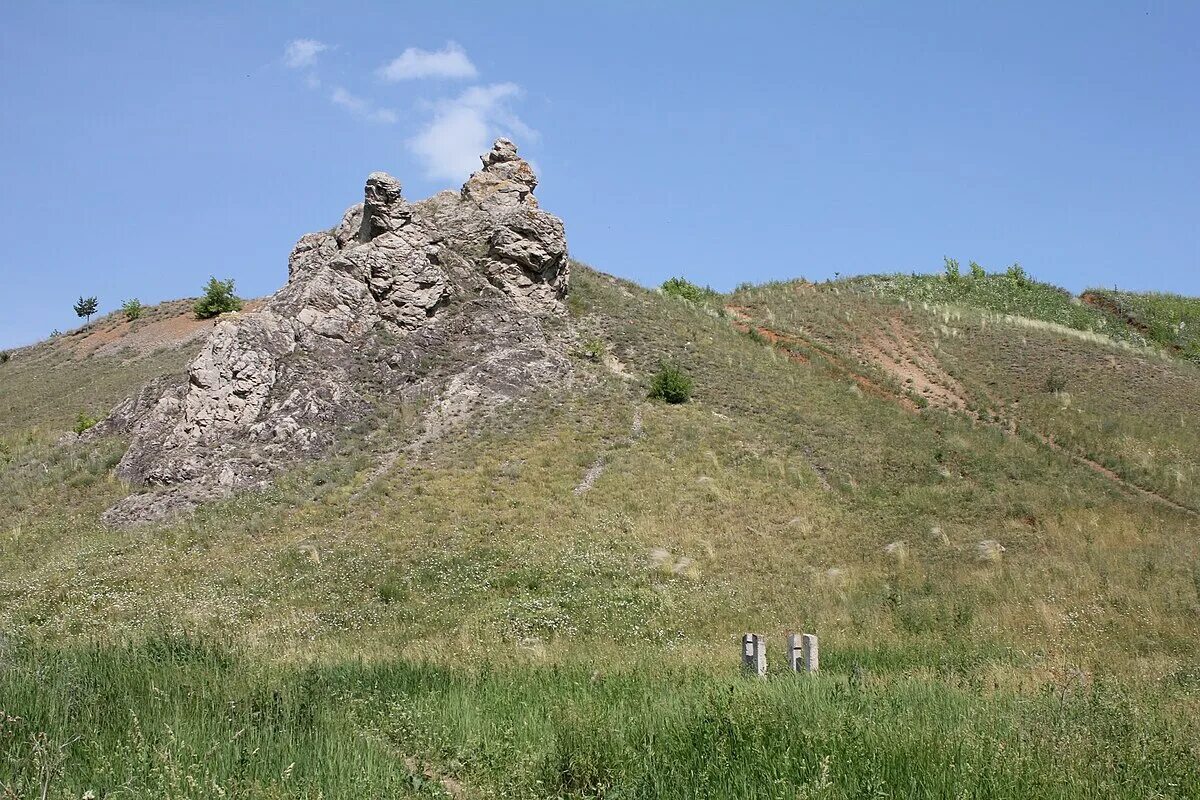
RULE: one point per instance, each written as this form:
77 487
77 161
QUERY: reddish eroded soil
899 353
742 321
167 325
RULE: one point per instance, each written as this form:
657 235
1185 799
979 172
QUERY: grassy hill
982 494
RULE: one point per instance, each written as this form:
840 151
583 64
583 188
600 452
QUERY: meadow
176 717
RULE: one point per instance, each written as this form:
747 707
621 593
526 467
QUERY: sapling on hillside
86 306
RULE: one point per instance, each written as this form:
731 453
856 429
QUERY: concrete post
754 655
809 652
791 655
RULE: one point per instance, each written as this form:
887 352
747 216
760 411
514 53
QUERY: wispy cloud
463 128
363 108
449 62
302 53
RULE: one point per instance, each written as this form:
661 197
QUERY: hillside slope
945 493
843 424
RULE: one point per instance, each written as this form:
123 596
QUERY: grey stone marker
754 654
809 653
791 654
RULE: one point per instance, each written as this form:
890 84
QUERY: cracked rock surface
454 301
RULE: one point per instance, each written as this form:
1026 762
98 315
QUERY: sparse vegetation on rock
84 421
593 349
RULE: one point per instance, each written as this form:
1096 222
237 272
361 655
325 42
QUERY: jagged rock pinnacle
464 276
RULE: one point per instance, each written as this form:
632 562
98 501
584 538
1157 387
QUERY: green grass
1169 320
996 292
179 717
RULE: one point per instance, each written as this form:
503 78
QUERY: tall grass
1169 320
177 717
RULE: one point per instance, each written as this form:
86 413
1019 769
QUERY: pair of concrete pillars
801 655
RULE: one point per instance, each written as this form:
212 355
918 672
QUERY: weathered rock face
456 300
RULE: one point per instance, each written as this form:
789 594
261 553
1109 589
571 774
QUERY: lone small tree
86 307
218 299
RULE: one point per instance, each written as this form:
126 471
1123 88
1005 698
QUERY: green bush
977 271
952 271
1016 273
592 349
1055 381
84 421
671 384
4 356
392 591
132 309
218 299
686 290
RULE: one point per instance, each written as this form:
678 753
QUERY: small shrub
756 336
132 309
54 334
1055 381
1016 273
84 421
592 349
977 271
5 356
686 290
671 384
576 305
392 591
218 299
953 274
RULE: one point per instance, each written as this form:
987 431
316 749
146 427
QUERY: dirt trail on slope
902 355
743 322
899 354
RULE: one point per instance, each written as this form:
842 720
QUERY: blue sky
146 146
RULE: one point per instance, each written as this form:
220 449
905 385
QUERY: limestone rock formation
455 300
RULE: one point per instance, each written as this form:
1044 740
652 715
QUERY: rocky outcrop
452 300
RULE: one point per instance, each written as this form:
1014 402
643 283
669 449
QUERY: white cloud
463 129
363 108
302 53
449 62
